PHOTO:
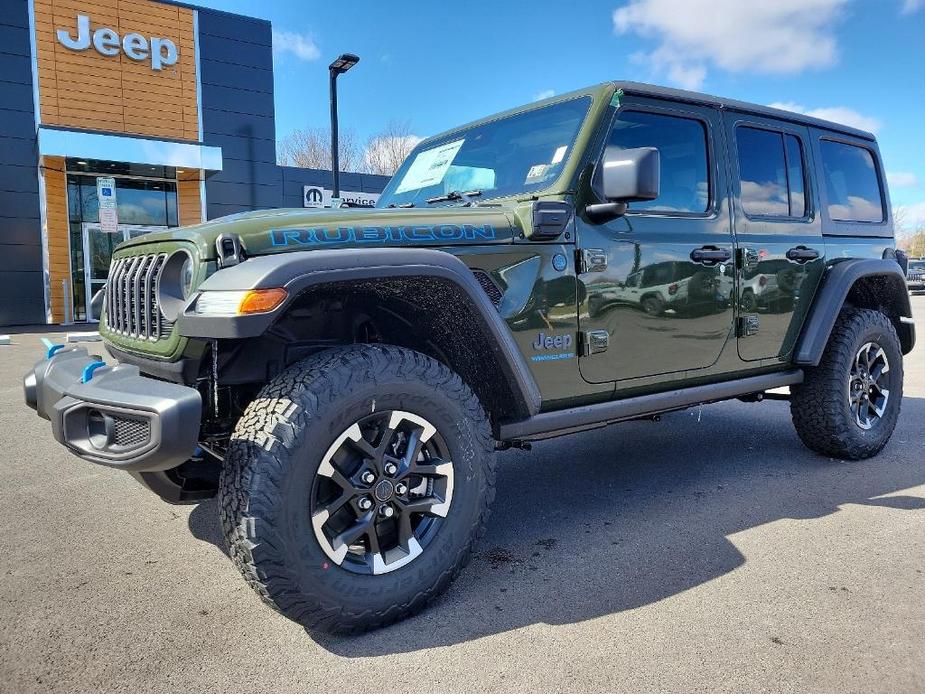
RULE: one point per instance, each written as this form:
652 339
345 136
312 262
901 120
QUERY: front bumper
113 415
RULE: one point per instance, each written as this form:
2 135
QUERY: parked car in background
915 275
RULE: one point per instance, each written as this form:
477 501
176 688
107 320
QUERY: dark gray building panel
22 286
230 51
241 77
242 101
240 120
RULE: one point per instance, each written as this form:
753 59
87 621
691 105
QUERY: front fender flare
836 285
299 271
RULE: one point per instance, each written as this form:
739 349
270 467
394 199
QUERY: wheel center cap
384 490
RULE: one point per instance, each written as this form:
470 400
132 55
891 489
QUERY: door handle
710 255
802 254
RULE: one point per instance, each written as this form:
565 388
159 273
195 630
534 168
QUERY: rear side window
851 183
770 173
682 147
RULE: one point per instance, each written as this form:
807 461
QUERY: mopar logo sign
316 196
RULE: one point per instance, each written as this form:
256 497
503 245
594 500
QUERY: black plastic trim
54 388
564 421
299 271
830 298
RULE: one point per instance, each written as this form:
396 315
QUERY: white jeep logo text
161 51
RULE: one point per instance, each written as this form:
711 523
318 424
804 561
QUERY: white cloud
911 6
836 114
781 37
545 94
902 179
302 46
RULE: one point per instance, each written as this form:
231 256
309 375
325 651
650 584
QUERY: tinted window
682 146
851 182
152 203
794 151
770 173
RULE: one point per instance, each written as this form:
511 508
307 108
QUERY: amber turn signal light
262 300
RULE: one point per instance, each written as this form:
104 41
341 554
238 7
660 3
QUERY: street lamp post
339 66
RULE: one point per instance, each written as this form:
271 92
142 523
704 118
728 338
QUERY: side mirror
627 175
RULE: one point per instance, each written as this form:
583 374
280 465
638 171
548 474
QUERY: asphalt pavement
707 552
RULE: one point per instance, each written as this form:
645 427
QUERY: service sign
316 196
106 195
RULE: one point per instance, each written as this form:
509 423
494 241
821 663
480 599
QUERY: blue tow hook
53 350
89 369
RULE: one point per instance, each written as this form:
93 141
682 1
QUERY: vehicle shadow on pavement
616 519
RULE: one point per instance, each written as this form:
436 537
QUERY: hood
277 231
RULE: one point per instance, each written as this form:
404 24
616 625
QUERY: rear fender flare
829 300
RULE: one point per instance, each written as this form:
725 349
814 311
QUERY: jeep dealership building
120 118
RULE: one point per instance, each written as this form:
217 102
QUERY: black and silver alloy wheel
867 391
356 484
381 492
848 405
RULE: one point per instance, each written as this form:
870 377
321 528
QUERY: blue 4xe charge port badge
546 342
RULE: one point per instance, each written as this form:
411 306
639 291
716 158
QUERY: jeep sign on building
170 103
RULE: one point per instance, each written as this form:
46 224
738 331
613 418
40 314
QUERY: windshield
516 154
917 266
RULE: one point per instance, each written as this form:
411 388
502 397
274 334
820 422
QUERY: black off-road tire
819 406
274 454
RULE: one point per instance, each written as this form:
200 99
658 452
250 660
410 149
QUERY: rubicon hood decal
377 234
280 231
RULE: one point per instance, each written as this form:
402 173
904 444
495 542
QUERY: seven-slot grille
131 297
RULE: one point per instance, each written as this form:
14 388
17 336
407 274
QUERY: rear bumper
118 417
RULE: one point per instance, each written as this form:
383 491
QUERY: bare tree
310 148
386 150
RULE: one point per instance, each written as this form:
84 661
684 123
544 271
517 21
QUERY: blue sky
437 64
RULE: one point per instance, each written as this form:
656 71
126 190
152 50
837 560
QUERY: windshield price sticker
536 173
429 167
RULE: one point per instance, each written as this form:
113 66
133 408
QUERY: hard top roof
654 91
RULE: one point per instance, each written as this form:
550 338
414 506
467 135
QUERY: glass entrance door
98 247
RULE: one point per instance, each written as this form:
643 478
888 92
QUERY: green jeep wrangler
341 379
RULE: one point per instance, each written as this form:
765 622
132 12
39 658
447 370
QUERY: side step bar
548 424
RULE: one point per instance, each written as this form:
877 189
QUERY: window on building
770 173
682 146
851 182
138 201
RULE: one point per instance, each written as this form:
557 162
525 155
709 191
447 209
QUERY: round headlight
175 284
186 277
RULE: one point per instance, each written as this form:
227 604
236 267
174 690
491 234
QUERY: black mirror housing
630 175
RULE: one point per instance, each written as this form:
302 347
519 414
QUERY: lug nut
391 468
368 477
365 503
401 488
386 511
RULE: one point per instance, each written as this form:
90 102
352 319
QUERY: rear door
780 249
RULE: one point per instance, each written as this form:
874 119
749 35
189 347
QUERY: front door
778 232
664 293
98 247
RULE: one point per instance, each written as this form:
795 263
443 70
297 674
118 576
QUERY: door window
682 146
770 173
851 183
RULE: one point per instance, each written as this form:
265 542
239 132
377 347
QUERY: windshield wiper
456 195
404 204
